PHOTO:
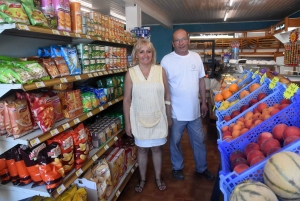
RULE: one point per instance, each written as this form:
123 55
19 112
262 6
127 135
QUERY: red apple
240 168
243 108
290 139
261 96
264 136
291 131
269 144
227 118
236 154
251 146
282 106
285 101
262 106
238 161
257 159
273 150
253 101
234 113
278 131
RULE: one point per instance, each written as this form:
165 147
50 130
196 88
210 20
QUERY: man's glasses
181 40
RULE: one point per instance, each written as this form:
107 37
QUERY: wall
161 37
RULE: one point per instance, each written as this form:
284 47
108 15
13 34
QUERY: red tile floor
192 188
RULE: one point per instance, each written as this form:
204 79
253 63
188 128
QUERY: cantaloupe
252 191
282 175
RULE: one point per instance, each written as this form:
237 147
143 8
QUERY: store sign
279 27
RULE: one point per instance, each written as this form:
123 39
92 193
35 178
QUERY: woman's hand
170 123
128 130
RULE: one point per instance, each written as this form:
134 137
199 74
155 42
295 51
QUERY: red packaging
81 145
2 126
4 174
57 109
23 173
12 168
7 124
87 130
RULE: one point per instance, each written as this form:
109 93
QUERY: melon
252 191
281 174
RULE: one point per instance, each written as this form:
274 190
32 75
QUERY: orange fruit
227 94
219 98
233 88
224 91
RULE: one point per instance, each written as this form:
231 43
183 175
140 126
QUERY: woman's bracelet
167 102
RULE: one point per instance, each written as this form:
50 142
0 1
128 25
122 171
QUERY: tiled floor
192 188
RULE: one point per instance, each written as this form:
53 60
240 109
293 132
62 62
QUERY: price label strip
78 35
106 147
273 82
89 114
99 38
54 132
66 33
77 77
95 157
39 84
106 39
132 170
115 138
55 32
214 108
101 108
100 73
109 103
23 27
105 72
90 75
87 36
117 100
95 74
262 79
35 141
136 164
76 121
61 189
66 126
79 172
290 91
63 80
254 74
118 193
110 72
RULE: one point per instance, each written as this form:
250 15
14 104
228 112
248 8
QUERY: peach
248 123
224 128
252 126
269 144
264 136
258 121
237 127
238 161
251 146
266 111
240 168
241 119
248 114
244 93
283 106
227 118
234 113
274 111
265 116
226 133
276 105
236 154
244 130
231 127
261 96
290 139
254 86
278 131
285 101
271 108
273 150
244 107
256 116
241 123
252 154
248 118
236 133
256 111
253 101
262 106
291 131
256 160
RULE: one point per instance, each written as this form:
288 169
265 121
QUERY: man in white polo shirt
186 74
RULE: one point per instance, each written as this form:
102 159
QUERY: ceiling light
83 3
230 2
118 16
226 14
85 9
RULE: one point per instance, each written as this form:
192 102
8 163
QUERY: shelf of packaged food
35 29
66 79
72 177
36 137
43 137
117 191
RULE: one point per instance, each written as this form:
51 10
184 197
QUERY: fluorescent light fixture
211 36
85 9
83 3
230 2
226 14
118 16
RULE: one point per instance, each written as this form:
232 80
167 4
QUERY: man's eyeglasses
181 40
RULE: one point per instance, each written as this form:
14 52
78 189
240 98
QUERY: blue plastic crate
236 95
289 116
264 88
230 181
248 79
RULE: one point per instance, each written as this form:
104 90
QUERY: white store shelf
4 88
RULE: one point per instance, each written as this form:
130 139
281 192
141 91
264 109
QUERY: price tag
290 91
55 31
79 172
35 141
23 27
105 73
90 75
78 35
117 100
54 132
66 33
76 121
100 73
101 108
110 72
106 147
136 164
66 126
117 193
118 41
89 114
113 41
273 82
95 74
95 157
39 84
109 103
77 77
132 170
253 76
106 39
61 189
262 79
87 36
63 80
115 138
124 42
99 38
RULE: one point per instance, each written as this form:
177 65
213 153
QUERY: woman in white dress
147 109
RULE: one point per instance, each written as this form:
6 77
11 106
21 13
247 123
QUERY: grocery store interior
62 77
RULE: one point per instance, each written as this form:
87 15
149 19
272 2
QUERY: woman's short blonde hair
138 45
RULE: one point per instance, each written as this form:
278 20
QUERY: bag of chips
4 173
57 109
50 66
21 167
12 168
81 145
12 12
2 126
36 17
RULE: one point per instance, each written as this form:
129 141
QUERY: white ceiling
204 11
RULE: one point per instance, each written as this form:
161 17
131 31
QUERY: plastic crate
236 95
230 181
264 88
289 116
270 100
248 79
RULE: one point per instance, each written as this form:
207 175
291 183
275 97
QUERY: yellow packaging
80 195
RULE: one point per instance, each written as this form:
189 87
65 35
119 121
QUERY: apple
253 101
261 96
234 113
243 108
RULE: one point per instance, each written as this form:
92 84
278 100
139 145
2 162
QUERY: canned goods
92 65
82 51
85 65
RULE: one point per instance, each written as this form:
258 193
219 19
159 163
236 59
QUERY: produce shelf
124 180
74 175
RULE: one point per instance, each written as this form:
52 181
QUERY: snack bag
48 11
86 102
67 15
68 194
57 109
80 195
2 126
58 6
30 158
34 69
81 145
50 165
61 66
23 95
12 12
66 144
4 173
36 17
90 140
75 67
21 167
76 25
51 68
12 168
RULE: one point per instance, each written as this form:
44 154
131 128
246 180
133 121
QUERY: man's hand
128 130
204 110
170 123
